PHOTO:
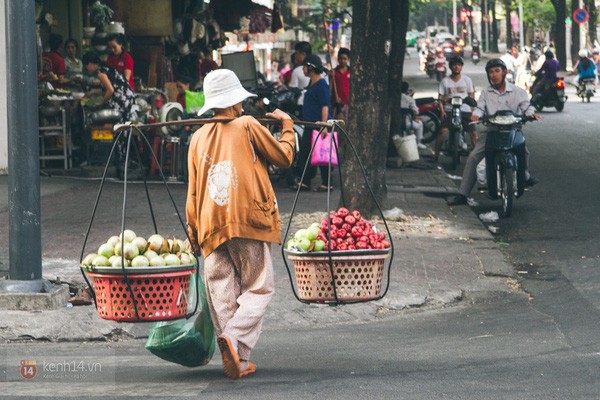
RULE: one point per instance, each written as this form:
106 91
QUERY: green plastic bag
190 342
193 101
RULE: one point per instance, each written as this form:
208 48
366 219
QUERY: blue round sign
581 16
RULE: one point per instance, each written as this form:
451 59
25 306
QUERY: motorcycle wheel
507 191
431 125
439 77
588 96
560 106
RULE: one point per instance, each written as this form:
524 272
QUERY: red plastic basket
159 296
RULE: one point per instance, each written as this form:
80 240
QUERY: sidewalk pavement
443 256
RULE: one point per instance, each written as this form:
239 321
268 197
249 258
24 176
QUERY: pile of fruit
136 251
342 231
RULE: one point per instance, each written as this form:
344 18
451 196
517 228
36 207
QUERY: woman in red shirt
119 59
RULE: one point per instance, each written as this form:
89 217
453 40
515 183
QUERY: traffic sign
580 16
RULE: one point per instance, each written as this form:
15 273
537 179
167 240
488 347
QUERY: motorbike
551 96
475 53
430 116
586 89
440 66
505 158
431 64
456 134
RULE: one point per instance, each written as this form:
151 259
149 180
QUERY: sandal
249 370
323 188
83 297
231 360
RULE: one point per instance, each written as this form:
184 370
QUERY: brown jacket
229 192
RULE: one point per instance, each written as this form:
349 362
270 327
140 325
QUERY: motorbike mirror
471 102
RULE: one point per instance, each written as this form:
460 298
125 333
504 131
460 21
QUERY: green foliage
539 14
425 13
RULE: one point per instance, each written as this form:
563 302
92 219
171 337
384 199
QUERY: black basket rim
138 270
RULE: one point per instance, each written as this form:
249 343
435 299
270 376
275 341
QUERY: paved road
552 236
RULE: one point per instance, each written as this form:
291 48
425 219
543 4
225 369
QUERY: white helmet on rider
583 53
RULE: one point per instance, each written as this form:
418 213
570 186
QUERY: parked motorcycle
505 158
586 89
552 96
429 113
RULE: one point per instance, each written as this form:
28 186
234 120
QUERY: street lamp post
521 33
454 18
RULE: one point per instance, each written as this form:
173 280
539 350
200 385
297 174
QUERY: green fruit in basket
312 232
141 244
118 249
100 261
301 234
130 251
113 240
87 261
155 242
117 262
127 236
319 245
140 261
172 259
185 258
181 244
290 244
174 247
157 261
106 250
303 244
150 254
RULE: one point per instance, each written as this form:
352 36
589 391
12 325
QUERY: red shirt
206 66
121 63
53 62
342 86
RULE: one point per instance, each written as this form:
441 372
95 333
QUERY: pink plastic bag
320 155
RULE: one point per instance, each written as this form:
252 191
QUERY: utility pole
25 255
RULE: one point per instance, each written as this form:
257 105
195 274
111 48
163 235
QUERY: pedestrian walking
232 215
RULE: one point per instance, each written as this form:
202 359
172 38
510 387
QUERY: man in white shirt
500 95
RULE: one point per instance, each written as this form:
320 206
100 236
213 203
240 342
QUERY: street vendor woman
232 214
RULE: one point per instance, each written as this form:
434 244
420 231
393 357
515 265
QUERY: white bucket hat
222 89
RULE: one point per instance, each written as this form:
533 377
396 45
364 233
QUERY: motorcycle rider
454 85
547 75
585 68
500 95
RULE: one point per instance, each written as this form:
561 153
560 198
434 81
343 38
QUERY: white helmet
583 53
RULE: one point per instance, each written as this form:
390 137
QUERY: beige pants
239 286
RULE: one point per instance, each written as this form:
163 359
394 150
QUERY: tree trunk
493 47
399 22
575 45
508 24
561 13
368 126
593 11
